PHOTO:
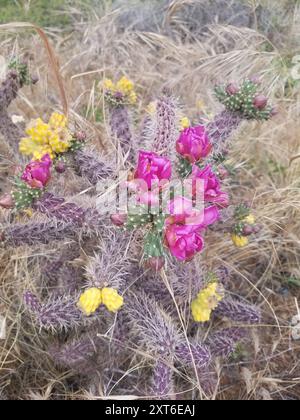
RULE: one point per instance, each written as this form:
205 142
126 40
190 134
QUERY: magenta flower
37 174
193 144
211 186
185 240
153 168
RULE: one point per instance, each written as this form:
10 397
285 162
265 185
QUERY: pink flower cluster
185 224
38 173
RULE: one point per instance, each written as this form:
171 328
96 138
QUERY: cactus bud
60 167
248 230
118 219
232 89
255 79
80 136
223 172
260 102
155 263
7 201
257 228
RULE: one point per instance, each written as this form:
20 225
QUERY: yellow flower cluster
240 241
42 138
185 123
124 86
206 301
92 298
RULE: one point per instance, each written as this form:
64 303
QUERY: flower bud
7 201
118 219
60 167
35 79
223 172
80 136
232 89
260 102
248 230
257 228
155 263
255 79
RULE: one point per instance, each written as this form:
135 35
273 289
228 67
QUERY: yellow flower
240 241
109 85
250 220
45 138
90 300
125 86
151 108
185 123
206 301
111 299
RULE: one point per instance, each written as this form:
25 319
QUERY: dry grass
189 65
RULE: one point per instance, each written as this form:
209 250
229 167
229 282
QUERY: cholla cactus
58 208
187 355
35 233
241 102
165 125
110 267
223 343
57 314
77 354
92 166
119 96
152 326
16 78
162 381
238 311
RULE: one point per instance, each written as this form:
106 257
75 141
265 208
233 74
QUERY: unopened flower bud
155 263
60 167
275 111
7 201
232 89
248 230
255 79
118 219
80 136
223 172
260 102
35 79
257 228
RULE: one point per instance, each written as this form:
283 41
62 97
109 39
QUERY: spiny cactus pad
243 101
25 195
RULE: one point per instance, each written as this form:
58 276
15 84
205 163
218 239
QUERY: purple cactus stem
36 233
223 343
8 93
120 128
76 354
151 326
238 311
56 315
57 208
91 166
166 131
221 128
162 381
32 302
199 352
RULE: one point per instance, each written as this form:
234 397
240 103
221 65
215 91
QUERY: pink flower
212 186
37 174
185 240
193 144
153 168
